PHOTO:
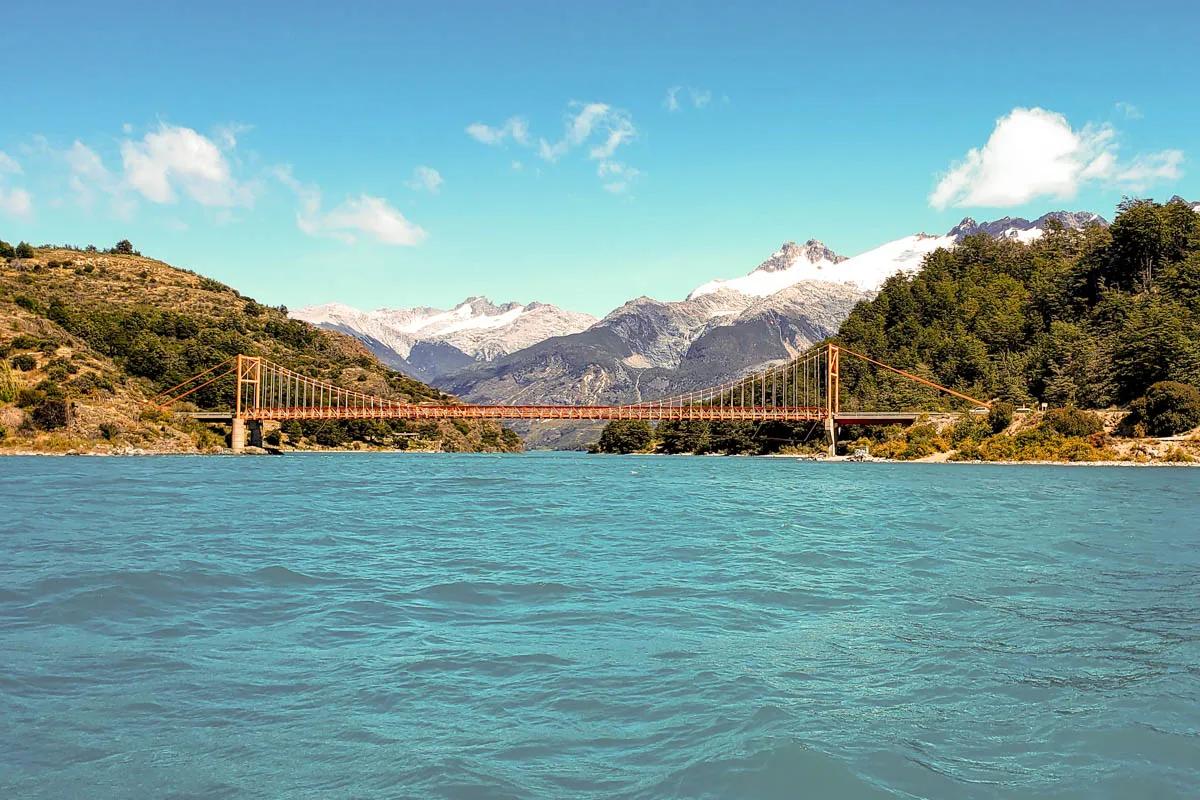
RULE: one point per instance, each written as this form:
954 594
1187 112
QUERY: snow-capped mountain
430 341
790 264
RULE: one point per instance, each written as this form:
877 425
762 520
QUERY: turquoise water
554 626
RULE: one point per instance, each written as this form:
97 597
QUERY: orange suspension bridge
806 388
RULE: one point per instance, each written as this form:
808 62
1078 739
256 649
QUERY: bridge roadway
650 413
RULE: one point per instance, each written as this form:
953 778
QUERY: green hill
86 337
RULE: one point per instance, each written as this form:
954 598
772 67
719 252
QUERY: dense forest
1090 318
1099 318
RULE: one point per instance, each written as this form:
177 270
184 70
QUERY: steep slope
88 337
429 342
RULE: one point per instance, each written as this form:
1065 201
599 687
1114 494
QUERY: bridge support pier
831 432
246 432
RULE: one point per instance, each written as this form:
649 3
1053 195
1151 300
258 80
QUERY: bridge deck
648 413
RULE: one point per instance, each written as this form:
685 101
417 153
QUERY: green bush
123 247
24 250
969 428
109 430
625 436
1168 408
23 362
274 438
51 413
6 250
1001 415
1071 421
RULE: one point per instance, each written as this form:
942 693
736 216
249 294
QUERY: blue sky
404 153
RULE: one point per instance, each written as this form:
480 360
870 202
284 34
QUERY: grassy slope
108 331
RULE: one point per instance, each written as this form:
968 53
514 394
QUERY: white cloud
9 164
615 126
599 126
426 178
671 101
617 176
699 98
364 214
16 202
1129 110
515 128
175 159
1033 153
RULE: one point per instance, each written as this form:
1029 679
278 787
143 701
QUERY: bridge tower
247 395
832 395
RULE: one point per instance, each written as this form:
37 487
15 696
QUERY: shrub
8 384
51 413
24 250
210 285
27 303
123 247
969 428
109 430
1001 415
274 438
23 362
1071 421
1168 408
6 250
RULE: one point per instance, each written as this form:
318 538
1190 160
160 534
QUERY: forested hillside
1090 318
86 337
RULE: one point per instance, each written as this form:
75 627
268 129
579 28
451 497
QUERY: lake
561 625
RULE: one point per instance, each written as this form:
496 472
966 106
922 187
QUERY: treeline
1090 318
703 437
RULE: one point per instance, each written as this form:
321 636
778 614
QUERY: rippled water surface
564 626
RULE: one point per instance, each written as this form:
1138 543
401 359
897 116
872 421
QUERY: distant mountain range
431 342
648 348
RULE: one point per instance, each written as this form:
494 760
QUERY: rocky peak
812 251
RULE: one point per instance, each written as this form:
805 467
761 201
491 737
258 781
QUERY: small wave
282 576
786 770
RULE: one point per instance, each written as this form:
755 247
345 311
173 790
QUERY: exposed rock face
1022 229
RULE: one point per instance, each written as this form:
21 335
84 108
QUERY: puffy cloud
1033 153
16 202
176 159
515 128
426 178
364 214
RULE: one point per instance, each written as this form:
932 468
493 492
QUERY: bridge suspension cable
803 388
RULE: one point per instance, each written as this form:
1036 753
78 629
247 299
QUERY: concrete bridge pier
245 432
237 438
831 432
